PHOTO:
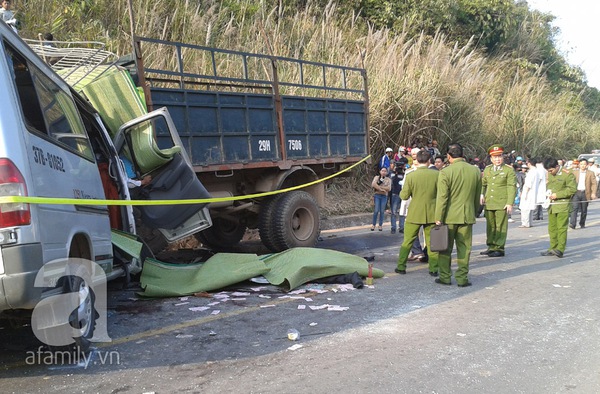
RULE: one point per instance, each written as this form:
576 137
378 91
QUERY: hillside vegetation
471 71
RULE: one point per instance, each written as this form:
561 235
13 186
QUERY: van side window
47 109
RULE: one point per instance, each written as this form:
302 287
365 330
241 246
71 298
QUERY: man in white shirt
541 190
529 193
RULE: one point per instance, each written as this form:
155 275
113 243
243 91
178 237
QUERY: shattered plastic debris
293 334
337 308
260 279
199 308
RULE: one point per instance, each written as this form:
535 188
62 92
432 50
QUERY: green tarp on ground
294 267
223 269
288 269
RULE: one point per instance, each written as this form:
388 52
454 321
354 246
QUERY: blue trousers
380 201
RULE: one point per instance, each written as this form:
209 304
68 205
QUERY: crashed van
56 146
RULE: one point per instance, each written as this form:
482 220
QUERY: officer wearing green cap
499 188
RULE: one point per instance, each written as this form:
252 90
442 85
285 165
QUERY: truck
255 124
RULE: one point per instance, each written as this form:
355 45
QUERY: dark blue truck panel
224 120
221 128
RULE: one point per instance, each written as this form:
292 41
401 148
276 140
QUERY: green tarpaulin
288 269
168 280
294 267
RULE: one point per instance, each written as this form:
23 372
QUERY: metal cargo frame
232 120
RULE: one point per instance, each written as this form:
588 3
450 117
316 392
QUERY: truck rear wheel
265 221
295 221
222 234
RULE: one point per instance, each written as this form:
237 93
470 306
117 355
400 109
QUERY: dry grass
420 87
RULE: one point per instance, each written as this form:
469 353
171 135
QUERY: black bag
439 238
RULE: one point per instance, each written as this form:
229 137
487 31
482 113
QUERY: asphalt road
528 324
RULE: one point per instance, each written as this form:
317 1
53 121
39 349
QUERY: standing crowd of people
425 189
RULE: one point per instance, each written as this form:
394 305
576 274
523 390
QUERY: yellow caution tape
79 201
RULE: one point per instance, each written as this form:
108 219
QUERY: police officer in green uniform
457 202
421 185
560 188
499 188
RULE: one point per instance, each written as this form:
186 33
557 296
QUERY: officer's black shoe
558 253
393 231
485 252
466 284
401 272
547 253
496 253
442 283
572 227
433 273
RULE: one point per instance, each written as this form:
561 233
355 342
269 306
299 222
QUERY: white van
54 144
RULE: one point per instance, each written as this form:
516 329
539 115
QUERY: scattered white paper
239 294
267 306
318 307
183 298
556 285
258 288
301 307
308 299
337 308
214 303
181 303
299 291
460 334
263 296
239 299
313 324
416 306
215 312
489 288
181 336
295 347
199 308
